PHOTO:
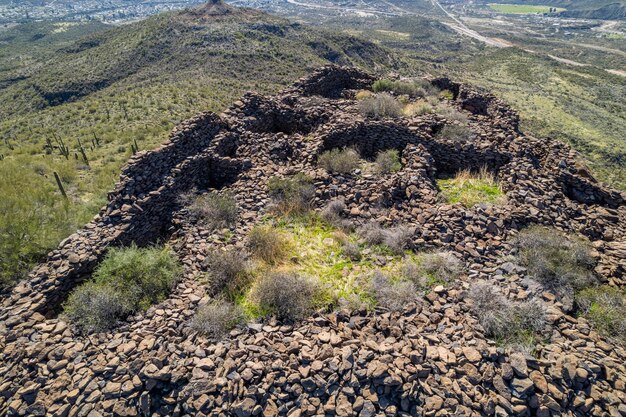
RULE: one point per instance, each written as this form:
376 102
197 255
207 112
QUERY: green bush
214 210
127 280
289 297
217 318
267 244
605 308
388 161
339 161
512 324
291 195
381 106
563 265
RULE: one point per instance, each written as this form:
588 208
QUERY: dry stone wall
432 359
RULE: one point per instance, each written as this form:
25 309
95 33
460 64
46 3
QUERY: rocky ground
430 359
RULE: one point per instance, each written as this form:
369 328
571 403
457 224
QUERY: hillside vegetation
125 88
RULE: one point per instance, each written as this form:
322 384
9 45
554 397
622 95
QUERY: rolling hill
113 90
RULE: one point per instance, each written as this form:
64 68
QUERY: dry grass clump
418 88
452 114
605 308
562 265
226 271
394 296
455 132
471 188
214 210
512 324
418 108
217 318
351 251
291 195
339 161
397 239
442 266
381 106
126 281
388 161
268 244
363 94
287 296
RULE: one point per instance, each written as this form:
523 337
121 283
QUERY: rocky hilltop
432 358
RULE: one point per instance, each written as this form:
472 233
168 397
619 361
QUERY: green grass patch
523 8
470 189
605 308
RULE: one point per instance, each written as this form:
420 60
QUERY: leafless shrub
217 318
456 132
388 161
227 271
398 239
352 251
393 295
333 214
373 233
441 266
287 296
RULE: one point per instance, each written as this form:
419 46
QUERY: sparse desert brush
562 264
441 266
455 132
412 89
339 161
287 296
388 161
519 325
226 271
605 308
214 210
381 106
471 188
267 244
333 214
418 108
373 233
291 195
452 114
397 239
127 280
447 94
394 296
216 318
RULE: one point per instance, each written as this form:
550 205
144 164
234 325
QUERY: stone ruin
431 359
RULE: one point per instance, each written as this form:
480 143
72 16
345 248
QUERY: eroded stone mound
430 359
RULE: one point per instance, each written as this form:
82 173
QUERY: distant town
109 11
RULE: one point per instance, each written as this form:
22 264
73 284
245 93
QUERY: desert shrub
216 318
214 210
351 250
333 214
455 132
414 89
363 94
380 106
605 308
562 265
393 295
291 195
339 161
288 296
372 232
388 161
418 108
398 239
267 244
471 188
441 266
226 271
94 307
452 114
447 94
128 280
511 324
